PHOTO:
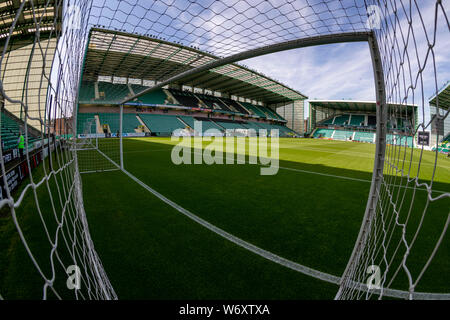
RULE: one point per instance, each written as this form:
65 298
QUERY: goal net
409 200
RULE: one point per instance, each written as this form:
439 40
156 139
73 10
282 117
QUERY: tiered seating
392 123
327 121
10 133
266 126
341 119
342 134
443 147
235 105
400 140
185 98
364 136
252 125
155 97
229 124
284 131
112 119
255 109
87 92
161 124
271 113
113 93
323 133
208 100
357 120
110 93
82 123
213 102
130 123
206 123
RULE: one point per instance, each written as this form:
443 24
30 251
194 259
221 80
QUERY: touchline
237 150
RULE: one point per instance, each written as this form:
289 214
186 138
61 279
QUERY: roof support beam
126 55
145 58
163 68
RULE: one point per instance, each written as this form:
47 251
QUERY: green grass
307 213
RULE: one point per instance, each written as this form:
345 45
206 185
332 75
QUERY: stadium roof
25 30
351 105
120 54
443 96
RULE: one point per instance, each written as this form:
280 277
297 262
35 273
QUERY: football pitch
307 215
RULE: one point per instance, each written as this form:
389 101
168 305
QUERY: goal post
99 146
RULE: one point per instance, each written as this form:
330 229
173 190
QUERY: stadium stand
284 131
213 102
443 147
112 93
155 97
229 124
327 121
161 125
87 92
130 122
341 119
251 125
233 105
350 125
271 113
111 119
206 123
185 98
256 111
446 138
